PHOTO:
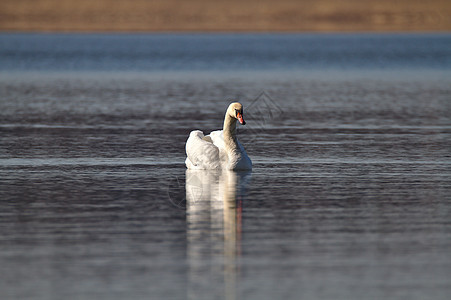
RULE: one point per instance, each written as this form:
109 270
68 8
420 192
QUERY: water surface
349 197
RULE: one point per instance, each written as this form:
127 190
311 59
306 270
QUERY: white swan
221 149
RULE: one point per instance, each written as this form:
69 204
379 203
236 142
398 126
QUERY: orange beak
240 118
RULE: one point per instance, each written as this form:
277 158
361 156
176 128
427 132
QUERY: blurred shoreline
220 16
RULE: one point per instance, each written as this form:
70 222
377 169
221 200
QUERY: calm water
350 196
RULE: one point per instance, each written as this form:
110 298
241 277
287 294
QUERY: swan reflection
214 204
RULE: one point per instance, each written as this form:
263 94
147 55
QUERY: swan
220 149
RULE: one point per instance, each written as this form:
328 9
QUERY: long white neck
229 131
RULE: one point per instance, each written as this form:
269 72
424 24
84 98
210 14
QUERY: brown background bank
232 15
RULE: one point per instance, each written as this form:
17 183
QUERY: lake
349 196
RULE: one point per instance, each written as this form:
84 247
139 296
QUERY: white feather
211 153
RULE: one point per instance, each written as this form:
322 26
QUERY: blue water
349 196
194 52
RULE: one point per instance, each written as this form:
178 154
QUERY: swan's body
220 149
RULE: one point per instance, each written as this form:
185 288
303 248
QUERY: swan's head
235 110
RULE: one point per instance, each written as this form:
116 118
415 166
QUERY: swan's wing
201 153
217 138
